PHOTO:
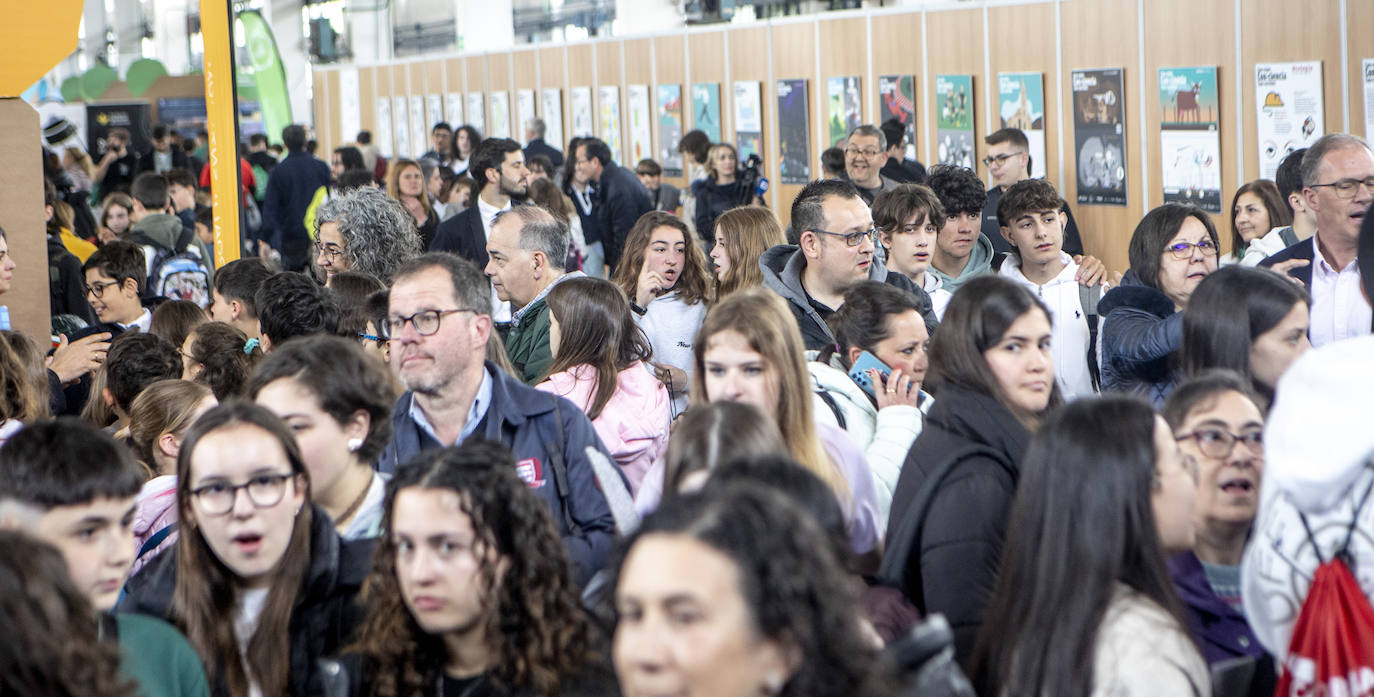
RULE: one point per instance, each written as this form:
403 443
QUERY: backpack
1088 298
178 273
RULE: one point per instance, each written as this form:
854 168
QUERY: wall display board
1189 137
794 132
133 116
434 109
610 123
477 113
1099 135
183 116
553 116
524 111
897 100
641 124
1367 69
1021 104
400 126
419 130
706 109
748 120
582 112
350 104
954 121
500 114
453 110
384 136
670 129
843 112
1289 97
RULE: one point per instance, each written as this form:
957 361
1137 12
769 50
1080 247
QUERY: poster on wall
185 116
1189 137
748 120
524 112
434 109
419 131
843 112
350 106
897 100
477 117
500 114
100 118
384 139
641 124
794 133
954 120
670 129
400 127
454 110
552 99
1367 69
1021 104
1290 116
610 121
706 109
582 112
1099 136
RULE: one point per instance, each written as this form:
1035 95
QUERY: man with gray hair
535 145
864 156
364 230
528 251
1338 186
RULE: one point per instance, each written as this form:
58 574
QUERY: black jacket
66 283
539 147
1303 249
147 162
326 611
290 188
464 235
966 524
712 200
1139 335
620 201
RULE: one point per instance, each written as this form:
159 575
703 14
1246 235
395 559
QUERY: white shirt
1339 309
144 322
246 617
939 297
500 309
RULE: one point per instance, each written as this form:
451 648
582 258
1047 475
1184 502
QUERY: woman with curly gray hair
364 230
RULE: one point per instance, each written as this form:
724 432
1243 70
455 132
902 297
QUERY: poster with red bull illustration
1291 114
1189 137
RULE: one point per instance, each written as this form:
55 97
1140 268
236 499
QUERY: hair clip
249 345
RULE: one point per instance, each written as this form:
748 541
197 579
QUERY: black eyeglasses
851 239
98 289
426 322
866 153
1345 188
264 491
1000 159
1217 442
1184 250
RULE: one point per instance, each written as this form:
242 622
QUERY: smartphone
859 372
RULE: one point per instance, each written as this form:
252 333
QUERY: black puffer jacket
326 612
1140 333
965 526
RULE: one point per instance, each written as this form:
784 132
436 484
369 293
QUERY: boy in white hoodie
1032 220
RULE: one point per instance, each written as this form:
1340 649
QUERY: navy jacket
290 188
621 200
464 235
1221 631
539 147
523 419
1140 333
1303 249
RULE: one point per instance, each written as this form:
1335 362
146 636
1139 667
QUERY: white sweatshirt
1070 327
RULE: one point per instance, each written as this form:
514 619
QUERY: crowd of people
501 421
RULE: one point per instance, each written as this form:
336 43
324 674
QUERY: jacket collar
981 419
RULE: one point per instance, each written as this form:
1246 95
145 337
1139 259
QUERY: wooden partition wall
1052 37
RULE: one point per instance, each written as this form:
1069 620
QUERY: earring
772 684
354 444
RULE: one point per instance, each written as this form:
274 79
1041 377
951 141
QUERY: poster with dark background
1099 136
794 132
100 118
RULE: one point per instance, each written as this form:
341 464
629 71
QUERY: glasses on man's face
1218 442
98 288
330 250
264 491
999 159
851 239
1184 250
426 322
1346 188
866 153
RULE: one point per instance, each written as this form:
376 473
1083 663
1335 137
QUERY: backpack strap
1343 553
1088 298
834 407
905 541
560 472
155 539
184 239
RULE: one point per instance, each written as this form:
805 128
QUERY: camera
751 182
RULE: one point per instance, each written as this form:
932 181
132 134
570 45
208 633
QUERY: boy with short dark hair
74 487
114 276
136 360
236 287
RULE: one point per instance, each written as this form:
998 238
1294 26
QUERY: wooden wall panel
477 76
843 46
1026 56
794 57
897 50
1359 19
706 56
1314 37
609 73
553 73
670 68
749 63
367 100
336 135
581 63
319 90
524 70
455 79
1106 230
955 46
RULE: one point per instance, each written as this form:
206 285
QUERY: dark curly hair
959 188
791 581
535 625
53 645
136 360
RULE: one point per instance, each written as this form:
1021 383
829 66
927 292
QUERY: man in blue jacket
290 188
439 321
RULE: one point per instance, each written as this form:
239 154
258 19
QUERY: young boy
115 274
909 219
72 486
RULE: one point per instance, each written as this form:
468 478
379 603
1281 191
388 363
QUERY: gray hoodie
164 230
979 263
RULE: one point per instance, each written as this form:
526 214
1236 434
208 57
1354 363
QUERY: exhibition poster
1099 136
582 112
897 100
794 132
477 113
434 106
1189 137
454 110
706 109
1367 69
641 128
553 116
350 105
400 127
670 129
610 122
748 120
1021 104
843 110
1290 116
419 132
524 111
954 121
384 136
500 114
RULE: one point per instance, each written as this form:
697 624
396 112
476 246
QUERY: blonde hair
711 158
23 379
393 183
762 318
165 406
748 232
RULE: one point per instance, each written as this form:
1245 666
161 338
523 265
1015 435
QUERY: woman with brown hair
23 383
664 276
742 235
221 357
1257 208
600 363
115 223
405 182
719 191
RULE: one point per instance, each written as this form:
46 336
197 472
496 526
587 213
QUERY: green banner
268 74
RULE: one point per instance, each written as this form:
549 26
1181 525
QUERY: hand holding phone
859 372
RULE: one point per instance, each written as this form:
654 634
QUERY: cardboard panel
21 215
955 40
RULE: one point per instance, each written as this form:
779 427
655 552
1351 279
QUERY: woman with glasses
337 402
1087 537
1172 249
719 191
1217 422
259 582
364 230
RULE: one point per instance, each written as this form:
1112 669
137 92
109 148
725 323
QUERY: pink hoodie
634 423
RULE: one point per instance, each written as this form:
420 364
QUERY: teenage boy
114 284
909 219
1008 162
1031 218
70 485
236 289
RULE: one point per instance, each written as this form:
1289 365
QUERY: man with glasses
528 250
865 154
1338 185
439 321
1009 161
836 241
